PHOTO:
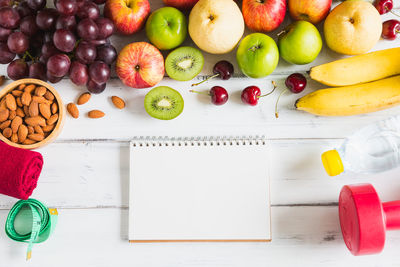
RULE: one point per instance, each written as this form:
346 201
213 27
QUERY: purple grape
18 42
106 53
24 10
4 33
37 70
99 72
80 3
46 19
48 37
66 7
64 40
99 2
37 40
51 78
94 87
78 73
28 25
6 3
48 50
89 10
6 56
85 53
58 65
9 18
36 4
18 69
87 29
66 22
98 42
106 28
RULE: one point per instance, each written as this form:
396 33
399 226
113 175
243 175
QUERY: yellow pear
353 27
216 26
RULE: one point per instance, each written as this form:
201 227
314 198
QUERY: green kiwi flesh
163 103
184 63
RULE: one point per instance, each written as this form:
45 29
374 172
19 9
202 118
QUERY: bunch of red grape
50 43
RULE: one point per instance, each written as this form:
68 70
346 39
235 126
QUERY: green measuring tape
31 222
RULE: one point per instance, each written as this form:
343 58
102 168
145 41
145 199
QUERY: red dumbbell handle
392 214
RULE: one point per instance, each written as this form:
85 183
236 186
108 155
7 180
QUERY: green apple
257 55
300 43
166 28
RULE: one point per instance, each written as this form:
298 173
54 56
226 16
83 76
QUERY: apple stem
209 78
276 104
281 32
201 93
273 89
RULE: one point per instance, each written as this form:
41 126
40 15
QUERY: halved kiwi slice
184 63
163 103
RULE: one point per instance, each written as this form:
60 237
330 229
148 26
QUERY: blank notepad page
199 191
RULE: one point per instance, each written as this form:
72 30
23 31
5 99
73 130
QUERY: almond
118 102
15 123
38 129
7 132
33 109
31 130
4 114
12 115
5 124
49 96
28 142
37 120
19 102
20 112
40 91
21 86
2 79
3 104
84 98
14 138
26 98
96 114
29 88
16 93
22 133
54 108
73 110
52 119
48 128
26 110
45 110
36 137
10 102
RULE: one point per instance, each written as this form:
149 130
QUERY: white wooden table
86 177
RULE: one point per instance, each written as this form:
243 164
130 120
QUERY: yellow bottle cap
332 162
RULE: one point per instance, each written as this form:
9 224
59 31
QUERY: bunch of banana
365 86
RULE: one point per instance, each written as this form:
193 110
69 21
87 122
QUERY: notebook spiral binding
148 141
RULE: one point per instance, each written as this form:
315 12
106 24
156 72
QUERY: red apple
129 16
181 4
313 11
140 65
263 15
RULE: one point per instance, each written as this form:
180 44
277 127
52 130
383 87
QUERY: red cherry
390 29
383 6
219 95
223 69
296 83
250 95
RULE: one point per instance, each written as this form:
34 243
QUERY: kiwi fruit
163 103
184 63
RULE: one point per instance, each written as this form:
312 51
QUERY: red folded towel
19 171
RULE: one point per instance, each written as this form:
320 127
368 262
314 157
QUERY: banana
354 99
359 69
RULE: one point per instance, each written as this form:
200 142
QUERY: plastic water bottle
372 149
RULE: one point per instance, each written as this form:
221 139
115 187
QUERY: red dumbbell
364 219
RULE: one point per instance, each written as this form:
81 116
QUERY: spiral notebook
199 190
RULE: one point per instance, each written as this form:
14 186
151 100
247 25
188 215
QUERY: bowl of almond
31 113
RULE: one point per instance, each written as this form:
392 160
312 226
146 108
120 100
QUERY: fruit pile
50 43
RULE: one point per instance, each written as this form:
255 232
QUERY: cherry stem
273 90
276 104
215 75
394 13
198 92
